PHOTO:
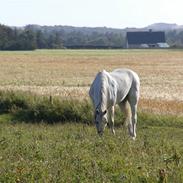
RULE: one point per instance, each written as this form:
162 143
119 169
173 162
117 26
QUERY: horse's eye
96 122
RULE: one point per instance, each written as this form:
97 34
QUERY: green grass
33 108
75 153
28 107
46 139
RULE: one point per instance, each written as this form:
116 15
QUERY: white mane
99 90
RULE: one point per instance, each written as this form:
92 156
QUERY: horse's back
125 75
126 80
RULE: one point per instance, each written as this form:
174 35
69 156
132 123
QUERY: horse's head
100 120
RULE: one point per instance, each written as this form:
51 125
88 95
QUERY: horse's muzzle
100 133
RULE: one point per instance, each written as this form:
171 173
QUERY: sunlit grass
75 153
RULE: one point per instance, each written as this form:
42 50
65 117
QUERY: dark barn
146 39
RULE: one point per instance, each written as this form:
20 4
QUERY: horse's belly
123 89
121 95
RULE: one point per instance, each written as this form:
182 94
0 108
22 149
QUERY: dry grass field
69 73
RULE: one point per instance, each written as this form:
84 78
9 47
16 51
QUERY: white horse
122 87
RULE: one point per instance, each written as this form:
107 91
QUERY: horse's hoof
113 131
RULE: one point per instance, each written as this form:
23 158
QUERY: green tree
27 40
41 41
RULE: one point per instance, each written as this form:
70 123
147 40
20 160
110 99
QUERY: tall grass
34 108
28 107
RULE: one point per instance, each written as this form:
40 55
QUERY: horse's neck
110 93
104 93
106 90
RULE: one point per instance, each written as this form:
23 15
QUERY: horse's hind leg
111 118
133 98
134 119
126 109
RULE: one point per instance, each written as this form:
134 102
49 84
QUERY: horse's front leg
111 118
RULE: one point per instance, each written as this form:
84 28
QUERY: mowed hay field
74 152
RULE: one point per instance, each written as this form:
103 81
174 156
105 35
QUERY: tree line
33 37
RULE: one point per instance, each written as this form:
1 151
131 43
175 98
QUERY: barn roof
147 37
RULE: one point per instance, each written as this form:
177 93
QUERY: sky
91 13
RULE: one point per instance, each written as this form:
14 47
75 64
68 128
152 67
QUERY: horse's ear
104 112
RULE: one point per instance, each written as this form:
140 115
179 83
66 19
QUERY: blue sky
92 13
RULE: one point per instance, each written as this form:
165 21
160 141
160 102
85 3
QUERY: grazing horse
122 87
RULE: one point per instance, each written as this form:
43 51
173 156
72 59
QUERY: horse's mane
103 90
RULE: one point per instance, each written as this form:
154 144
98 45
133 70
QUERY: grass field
70 72
72 152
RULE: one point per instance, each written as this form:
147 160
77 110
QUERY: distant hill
100 30
103 30
164 26
70 29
